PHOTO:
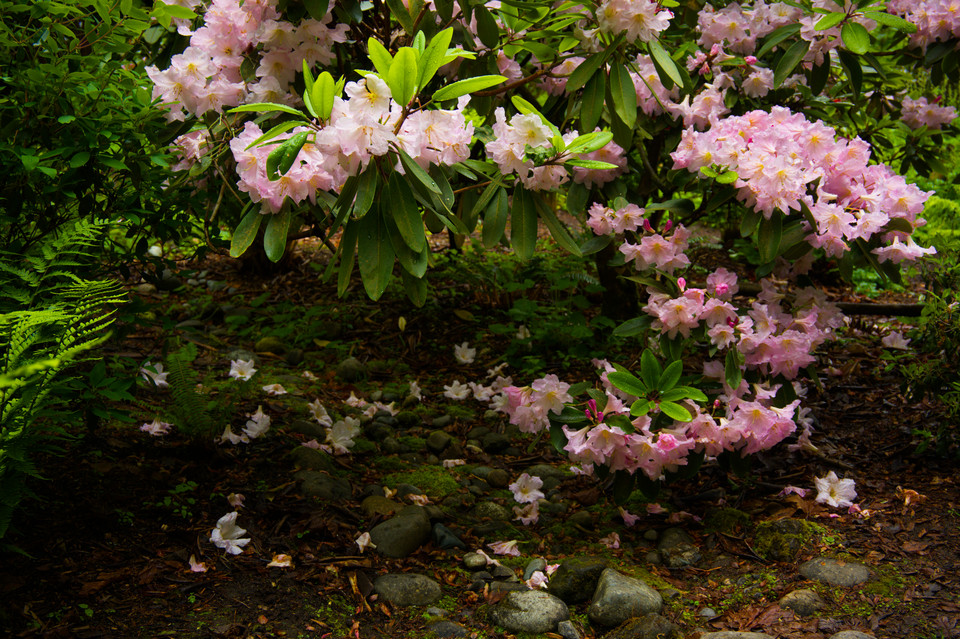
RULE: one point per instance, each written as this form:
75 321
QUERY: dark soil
105 543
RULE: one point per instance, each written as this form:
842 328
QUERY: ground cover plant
608 248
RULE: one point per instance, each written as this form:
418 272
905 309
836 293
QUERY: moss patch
433 480
782 540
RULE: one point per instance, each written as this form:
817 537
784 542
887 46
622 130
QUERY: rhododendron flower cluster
642 20
528 407
936 20
509 148
206 76
920 112
779 156
740 25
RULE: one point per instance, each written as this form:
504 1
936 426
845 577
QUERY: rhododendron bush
374 125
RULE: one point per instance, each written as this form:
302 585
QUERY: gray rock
407 489
433 611
437 441
444 538
507 586
310 429
834 572
270 344
529 611
245 355
533 566
851 634
651 535
474 561
576 579
145 289
407 589
408 419
708 613
653 557
481 471
492 510
441 422
323 486
581 518
502 572
390 445
494 443
216 285
351 369
804 602
312 459
379 505
445 629
649 626
477 432
543 471
735 634
498 478
676 549
402 535
567 630
618 598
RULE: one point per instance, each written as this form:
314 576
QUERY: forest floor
104 546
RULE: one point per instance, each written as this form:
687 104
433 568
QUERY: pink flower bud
669 225
682 283
647 227
750 59
731 322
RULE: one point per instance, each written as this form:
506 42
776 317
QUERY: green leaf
624 94
557 229
791 58
889 20
246 232
415 171
671 375
523 234
731 369
675 411
778 36
402 78
650 369
317 8
749 221
375 254
487 28
628 383
403 209
585 71
177 11
590 164
402 14
412 262
640 407
690 392
275 235
495 217
632 327
820 74
855 37
415 287
367 185
591 105
900 224
79 159
664 62
589 142
771 233
347 249
623 483
268 107
283 127
381 58
282 158
322 95
830 20
557 437
434 56
727 177
851 66
469 85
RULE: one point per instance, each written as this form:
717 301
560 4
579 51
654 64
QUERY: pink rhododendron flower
628 519
528 514
235 500
537 581
196 566
527 489
154 373
792 490
505 548
611 541
895 339
157 428
363 542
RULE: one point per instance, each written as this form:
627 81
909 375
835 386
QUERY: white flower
481 393
456 390
464 354
341 434
154 372
156 428
496 371
419 500
355 401
537 580
242 369
257 424
836 492
526 489
320 413
415 390
274 389
529 514
363 542
230 436
310 376
895 340
228 535
523 332
450 463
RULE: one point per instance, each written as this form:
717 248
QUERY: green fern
190 412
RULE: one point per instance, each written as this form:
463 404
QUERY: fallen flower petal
235 500
505 548
363 542
228 535
156 428
196 566
242 369
788 490
281 561
537 581
628 519
275 389
419 500
450 463
611 541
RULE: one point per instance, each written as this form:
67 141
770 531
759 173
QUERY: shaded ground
108 543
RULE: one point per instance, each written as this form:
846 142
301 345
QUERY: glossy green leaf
789 61
495 217
650 369
589 142
830 20
367 185
889 20
348 255
416 172
322 95
628 383
317 8
671 375
402 78
640 407
664 62
624 94
283 127
769 237
375 255
675 411
731 369
434 56
855 37
851 66
623 483
415 288
633 327
246 232
778 36
749 220
402 14
275 235
282 158
412 262
591 105
585 71
267 107
523 218
402 207
820 74
381 58
487 28
469 85
557 228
